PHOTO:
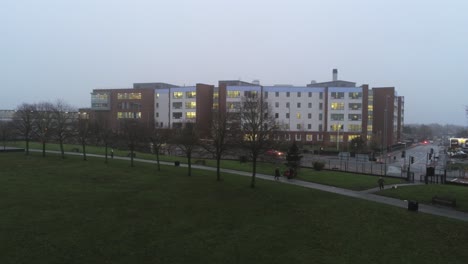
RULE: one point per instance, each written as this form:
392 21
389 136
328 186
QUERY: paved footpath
366 195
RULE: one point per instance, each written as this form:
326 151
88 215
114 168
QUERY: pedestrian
112 153
277 174
381 182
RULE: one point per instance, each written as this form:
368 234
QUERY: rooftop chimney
335 75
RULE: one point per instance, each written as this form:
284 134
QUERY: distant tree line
247 132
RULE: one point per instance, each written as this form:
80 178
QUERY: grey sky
63 49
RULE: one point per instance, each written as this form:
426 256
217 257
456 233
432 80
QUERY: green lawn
424 193
333 178
352 181
74 211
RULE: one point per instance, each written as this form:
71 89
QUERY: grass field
333 178
424 194
72 211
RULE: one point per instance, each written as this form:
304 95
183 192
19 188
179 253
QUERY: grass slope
72 211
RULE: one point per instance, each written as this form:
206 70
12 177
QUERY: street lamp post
338 128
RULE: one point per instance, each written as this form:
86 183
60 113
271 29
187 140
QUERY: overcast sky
63 49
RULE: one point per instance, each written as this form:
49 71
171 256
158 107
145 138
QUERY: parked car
274 153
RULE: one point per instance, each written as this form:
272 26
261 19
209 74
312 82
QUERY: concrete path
366 194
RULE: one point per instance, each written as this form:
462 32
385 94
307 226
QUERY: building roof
156 85
236 83
333 84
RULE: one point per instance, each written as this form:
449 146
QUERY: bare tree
6 131
187 140
158 136
64 118
42 123
131 131
23 122
222 129
83 133
257 126
102 131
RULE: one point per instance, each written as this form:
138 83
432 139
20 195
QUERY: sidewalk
366 194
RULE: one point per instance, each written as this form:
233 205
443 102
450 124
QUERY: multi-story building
327 113
388 116
6 115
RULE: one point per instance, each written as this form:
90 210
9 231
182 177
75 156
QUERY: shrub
318 165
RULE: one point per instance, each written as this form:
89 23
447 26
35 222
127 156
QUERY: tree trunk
83 145
27 145
43 148
61 148
254 171
218 164
189 159
157 159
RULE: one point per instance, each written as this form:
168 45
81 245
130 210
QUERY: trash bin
177 163
413 206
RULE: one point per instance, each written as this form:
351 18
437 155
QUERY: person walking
381 182
112 153
277 174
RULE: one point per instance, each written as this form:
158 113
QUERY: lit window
354 117
354 128
233 105
309 137
233 94
121 115
355 106
190 105
337 106
215 95
191 115
336 127
191 94
298 115
121 96
177 95
355 95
